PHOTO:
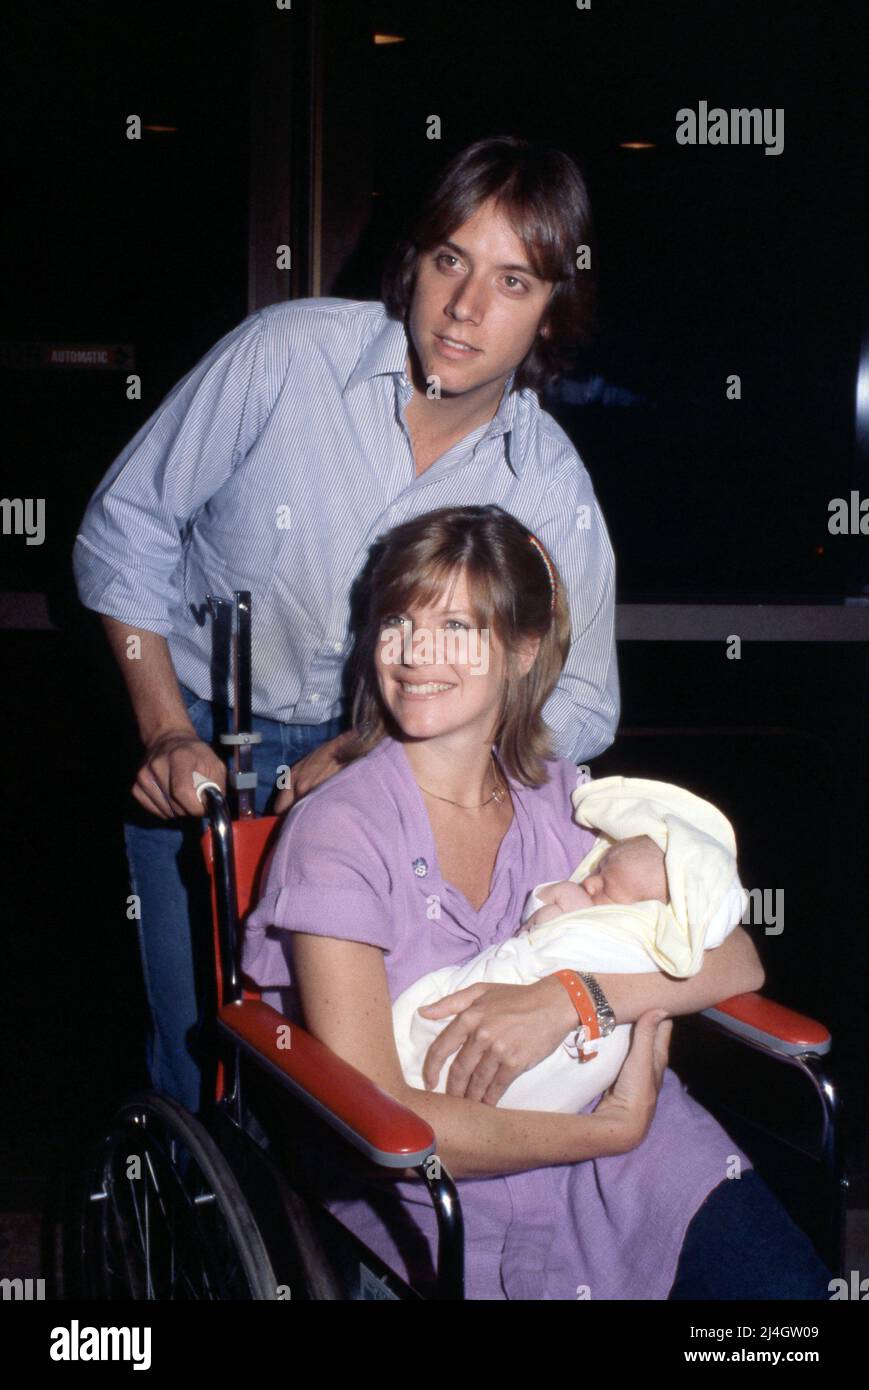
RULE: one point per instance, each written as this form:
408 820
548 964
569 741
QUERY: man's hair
543 194
511 597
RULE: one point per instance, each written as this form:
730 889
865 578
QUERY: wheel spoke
134 1202
181 1231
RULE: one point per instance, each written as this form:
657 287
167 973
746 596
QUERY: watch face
605 1017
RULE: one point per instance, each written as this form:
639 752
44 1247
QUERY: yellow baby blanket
699 845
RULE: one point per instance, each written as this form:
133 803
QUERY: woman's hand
631 1100
499 1031
309 772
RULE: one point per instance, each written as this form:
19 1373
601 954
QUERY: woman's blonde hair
515 594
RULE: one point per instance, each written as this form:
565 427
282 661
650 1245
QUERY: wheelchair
225 1206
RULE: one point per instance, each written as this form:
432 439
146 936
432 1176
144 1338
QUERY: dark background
711 261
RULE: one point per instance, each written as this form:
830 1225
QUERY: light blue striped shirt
274 465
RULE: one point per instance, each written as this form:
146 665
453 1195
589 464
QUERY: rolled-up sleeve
129 548
583 710
328 877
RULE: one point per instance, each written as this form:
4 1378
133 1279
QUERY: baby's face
632 871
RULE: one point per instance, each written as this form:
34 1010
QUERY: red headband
553 582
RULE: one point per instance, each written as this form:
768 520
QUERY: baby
614 915
631 871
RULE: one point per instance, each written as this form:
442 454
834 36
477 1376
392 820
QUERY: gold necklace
497 795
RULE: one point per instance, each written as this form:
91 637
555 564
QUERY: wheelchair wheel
164 1217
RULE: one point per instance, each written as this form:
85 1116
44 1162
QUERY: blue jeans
742 1244
168 875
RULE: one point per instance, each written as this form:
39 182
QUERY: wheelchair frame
379 1127
217 1183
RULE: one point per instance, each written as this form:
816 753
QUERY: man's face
476 289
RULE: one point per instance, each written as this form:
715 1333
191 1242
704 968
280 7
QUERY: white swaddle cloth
706 901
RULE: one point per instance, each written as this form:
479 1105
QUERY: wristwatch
605 1017
596 1018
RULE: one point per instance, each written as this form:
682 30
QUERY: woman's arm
345 1003
498 1031
734 967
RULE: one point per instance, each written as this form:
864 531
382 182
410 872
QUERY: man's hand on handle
173 749
164 783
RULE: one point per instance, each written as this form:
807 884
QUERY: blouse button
420 868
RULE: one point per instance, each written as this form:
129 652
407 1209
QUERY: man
307 431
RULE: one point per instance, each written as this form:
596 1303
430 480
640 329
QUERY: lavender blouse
356 859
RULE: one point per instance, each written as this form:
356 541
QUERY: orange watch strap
582 1002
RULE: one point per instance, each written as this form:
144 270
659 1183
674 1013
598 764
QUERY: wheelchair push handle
201 785
233 627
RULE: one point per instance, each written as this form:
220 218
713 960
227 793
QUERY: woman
420 853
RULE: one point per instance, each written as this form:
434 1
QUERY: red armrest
387 1132
780 1030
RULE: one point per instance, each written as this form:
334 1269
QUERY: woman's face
439 673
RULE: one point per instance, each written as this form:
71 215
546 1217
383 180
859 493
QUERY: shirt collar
386 355
502 420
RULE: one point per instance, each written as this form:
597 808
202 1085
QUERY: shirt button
314 699
337 646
